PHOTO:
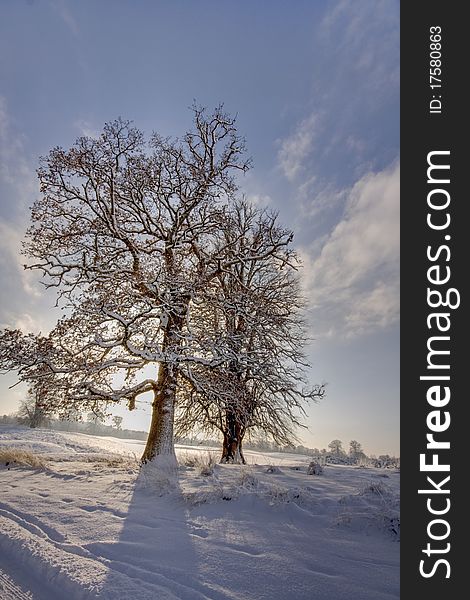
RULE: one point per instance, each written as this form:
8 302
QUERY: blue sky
316 89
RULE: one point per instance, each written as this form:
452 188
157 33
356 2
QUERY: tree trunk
232 444
240 450
160 438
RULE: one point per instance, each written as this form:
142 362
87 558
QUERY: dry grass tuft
203 462
15 457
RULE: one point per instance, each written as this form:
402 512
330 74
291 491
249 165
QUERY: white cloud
29 324
11 259
356 145
347 129
315 199
353 281
296 148
18 180
365 35
12 165
375 308
20 293
15 169
86 128
67 17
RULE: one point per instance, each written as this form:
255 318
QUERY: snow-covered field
87 523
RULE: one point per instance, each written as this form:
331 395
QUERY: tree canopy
163 269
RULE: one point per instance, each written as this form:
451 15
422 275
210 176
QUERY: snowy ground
88 524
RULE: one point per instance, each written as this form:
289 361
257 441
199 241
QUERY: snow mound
159 476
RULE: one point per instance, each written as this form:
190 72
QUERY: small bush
206 470
277 494
14 457
205 463
247 479
188 460
377 488
314 468
213 492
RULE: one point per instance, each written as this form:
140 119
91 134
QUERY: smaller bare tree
32 357
336 447
117 422
33 411
250 325
354 448
356 452
95 420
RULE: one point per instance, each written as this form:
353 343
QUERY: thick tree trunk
232 444
160 438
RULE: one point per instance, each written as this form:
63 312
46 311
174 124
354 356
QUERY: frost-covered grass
95 525
374 505
203 462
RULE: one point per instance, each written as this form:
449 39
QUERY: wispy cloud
26 323
352 282
20 294
364 34
351 126
86 128
295 149
11 259
15 169
67 17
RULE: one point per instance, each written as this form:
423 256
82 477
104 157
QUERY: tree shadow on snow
154 558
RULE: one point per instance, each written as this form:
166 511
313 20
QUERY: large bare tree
132 236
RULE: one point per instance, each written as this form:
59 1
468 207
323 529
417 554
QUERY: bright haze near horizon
315 86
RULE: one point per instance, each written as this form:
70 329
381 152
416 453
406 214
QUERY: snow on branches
252 318
162 270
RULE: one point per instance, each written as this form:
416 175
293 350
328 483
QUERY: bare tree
336 446
356 452
355 448
252 318
33 411
95 420
131 236
117 422
117 221
143 246
37 363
